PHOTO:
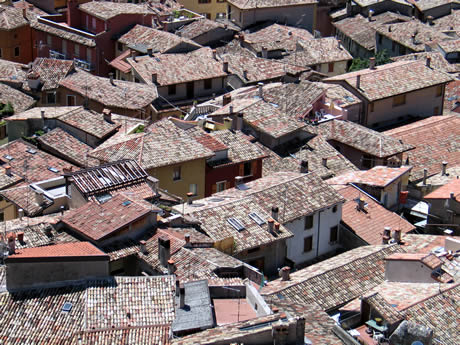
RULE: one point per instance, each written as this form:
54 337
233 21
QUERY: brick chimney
271 226
143 247
277 227
214 54
275 212
285 273
21 236
107 113
187 240
164 250
369 15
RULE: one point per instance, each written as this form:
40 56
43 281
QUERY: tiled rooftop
35 113
29 6
62 250
318 51
51 71
295 195
214 222
12 71
158 334
445 191
68 147
435 140
200 27
393 79
63 33
90 122
336 281
276 37
439 179
452 96
106 304
403 33
161 145
449 22
369 223
11 18
30 162
425 5
19 100
249 4
437 61
8 180
339 95
143 37
105 11
379 176
121 94
23 196
361 138
98 221
362 31
178 68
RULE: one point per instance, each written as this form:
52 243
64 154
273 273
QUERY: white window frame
224 183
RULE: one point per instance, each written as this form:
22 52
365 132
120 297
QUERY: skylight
8 157
255 217
67 307
31 150
236 224
53 169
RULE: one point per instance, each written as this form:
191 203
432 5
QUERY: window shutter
241 173
214 188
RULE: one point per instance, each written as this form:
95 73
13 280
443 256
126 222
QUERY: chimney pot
181 296
187 239
425 175
358 81
8 170
430 20
397 236
264 52
42 114
428 61
226 99
214 54
304 167
361 203
21 213
372 63
171 267
189 198
164 250
277 227
444 168
143 247
386 235
261 90
154 78
271 226
285 273
225 66
111 78
275 212
107 114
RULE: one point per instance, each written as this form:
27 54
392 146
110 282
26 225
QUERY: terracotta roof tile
425 5
98 221
8 180
51 71
157 334
437 61
62 32
12 18
435 140
12 71
393 79
445 191
200 27
19 100
23 196
449 22
248 4
121 94
452 96
369 223
106 11
77 249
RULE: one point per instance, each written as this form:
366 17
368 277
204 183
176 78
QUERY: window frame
172 89
308 225
193 190
177 173
220 183
399 100
309 240
334 230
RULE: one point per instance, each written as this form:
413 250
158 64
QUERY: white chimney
386 235
369 15
261 90
361 203
285 273
275 212
444 168
39 199
20 213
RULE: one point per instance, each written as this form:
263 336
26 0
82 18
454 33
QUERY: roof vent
126 203
67 307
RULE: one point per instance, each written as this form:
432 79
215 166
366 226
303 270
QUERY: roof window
236 224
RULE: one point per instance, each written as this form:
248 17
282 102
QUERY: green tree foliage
381 58
6 109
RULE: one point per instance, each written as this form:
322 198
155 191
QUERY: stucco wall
26 274
407 271
273 255
198 88
8 209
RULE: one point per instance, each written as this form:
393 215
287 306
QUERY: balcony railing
57 55
85 65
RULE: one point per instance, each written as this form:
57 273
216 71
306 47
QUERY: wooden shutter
241 173
253 168
214 188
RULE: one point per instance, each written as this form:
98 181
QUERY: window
371 107
93 21
393 46
334 209
221 15
334 234
331 67
207 84
380 39
51 97
399 100
64 47
247 169
171 89
1 52
2 216
193 188
220 186
120 46
16 51
307 244
177 173
235 223
77 50
439 91
204 1
71 100
308 222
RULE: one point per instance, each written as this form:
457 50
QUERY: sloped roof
23 196
250 4
12 71
437 61
157 334
51 71
19 100
106 11
370 223
445 191
62 250
12 18
200 27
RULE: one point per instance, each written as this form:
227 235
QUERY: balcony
57 55
85 65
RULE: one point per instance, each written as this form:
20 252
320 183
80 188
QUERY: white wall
322 223
407 271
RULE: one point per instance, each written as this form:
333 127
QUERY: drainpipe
317 241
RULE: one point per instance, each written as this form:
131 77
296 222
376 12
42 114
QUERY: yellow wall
191 172
212 8
9 210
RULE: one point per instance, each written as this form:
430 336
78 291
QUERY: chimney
42 114
8 170
372 63
241 38
275 212
21 213
154 78
143 247
277 227
164 250
189 198
245 74
304 167
225 66
11 243
358 81
444 168
430 20
150 51
177 287
264 53
389 28
107 113
428 61
39 197
111 78
214 54
369 15
261 90
339 44
171 267
397 236
226 99
425 175
361 203
230 109
24 12
271 226
285 273
452 196
67 169
238 180
21 237
386 235
187 240
300 330
239 122
181 296
324 161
